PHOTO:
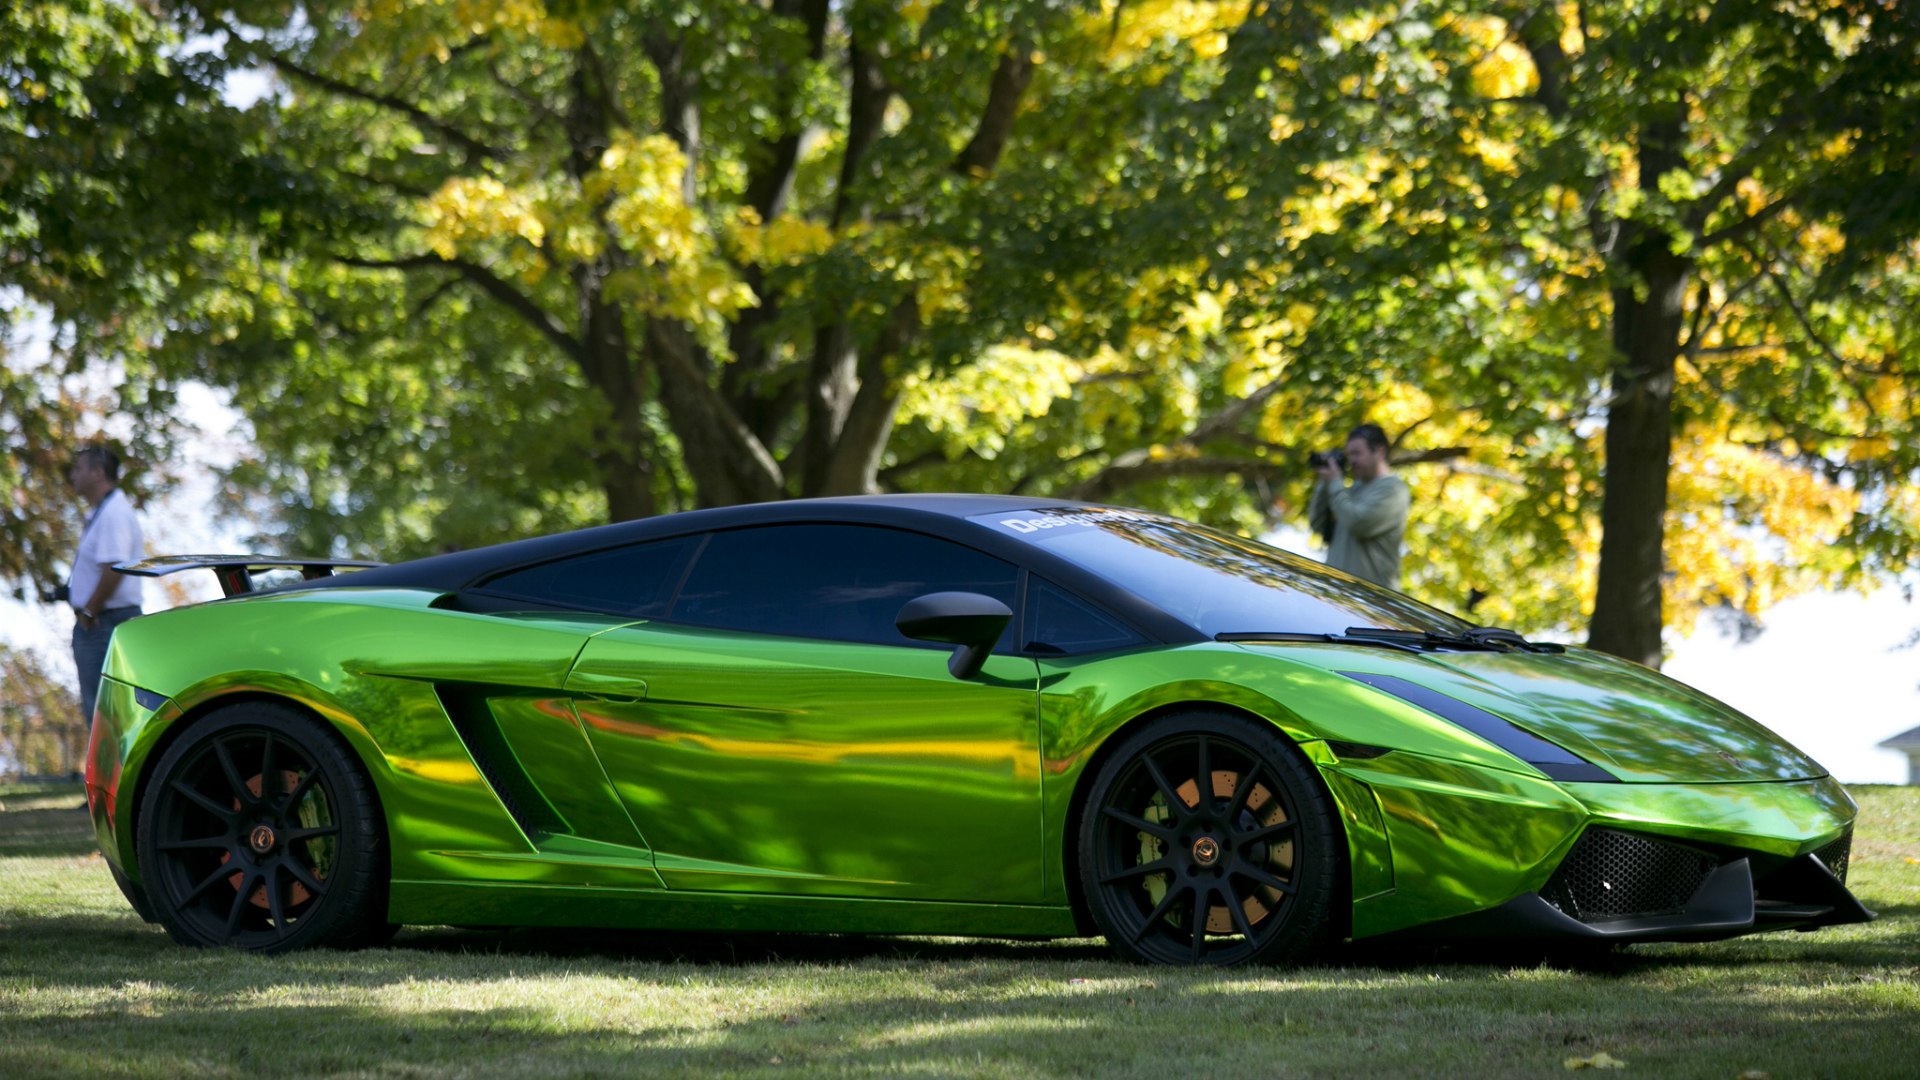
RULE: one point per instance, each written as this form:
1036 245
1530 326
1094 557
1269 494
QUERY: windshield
1214 581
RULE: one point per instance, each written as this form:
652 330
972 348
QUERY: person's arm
1320 507
1373 510
89 612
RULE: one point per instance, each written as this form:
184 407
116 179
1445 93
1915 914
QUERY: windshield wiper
1489 638
1337 639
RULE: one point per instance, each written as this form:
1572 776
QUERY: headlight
1557 762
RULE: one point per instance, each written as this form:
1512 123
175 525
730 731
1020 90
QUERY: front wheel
1206 839
260 830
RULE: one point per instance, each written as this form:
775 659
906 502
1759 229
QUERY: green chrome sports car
930 715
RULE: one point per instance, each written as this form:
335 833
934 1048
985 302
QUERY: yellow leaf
1506 72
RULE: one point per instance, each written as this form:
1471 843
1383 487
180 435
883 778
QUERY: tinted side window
845 582
1062 623
634 580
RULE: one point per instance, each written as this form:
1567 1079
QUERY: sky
1830 673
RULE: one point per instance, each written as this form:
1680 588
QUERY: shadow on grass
941 1011
728 950
1892 940
64 831
124 941
115 940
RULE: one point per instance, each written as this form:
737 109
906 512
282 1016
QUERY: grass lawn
87 989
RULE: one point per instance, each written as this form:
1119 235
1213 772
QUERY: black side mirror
969 620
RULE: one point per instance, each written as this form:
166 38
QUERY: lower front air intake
1611 875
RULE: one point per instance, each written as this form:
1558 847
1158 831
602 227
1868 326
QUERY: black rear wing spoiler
236 571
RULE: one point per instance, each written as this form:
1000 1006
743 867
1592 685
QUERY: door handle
618 688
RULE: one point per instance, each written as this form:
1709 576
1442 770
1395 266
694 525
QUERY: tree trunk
853 463
622 444
1648 315
727 464
623 452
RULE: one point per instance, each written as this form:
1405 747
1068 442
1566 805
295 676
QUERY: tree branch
1799 313
867 101
1135 467
1010 79
427 302
728 464
769 184
856 447
1749 223
399 187
492 284
474 148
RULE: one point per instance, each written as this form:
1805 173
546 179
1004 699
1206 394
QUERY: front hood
1634 722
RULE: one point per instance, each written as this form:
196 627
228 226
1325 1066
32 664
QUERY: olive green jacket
1367 521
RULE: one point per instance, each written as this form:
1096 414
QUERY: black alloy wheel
1206 839
259 830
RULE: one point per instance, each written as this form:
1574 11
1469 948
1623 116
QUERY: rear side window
1065 625
844 582
635 580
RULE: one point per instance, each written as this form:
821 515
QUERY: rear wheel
260 830
1207 840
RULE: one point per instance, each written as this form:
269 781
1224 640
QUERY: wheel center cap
261 839
1206 851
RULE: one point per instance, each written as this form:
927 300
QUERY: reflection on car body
927 714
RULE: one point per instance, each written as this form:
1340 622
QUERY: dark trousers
90 653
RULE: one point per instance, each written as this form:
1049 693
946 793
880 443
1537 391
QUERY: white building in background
1908 743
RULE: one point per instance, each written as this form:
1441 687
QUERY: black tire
1254 866
307 850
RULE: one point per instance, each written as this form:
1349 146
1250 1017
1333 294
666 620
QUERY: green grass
87 989
40 795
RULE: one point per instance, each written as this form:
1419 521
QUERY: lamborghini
931 714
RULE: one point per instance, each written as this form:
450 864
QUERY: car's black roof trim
936 515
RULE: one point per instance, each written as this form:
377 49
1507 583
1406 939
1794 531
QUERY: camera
1321 457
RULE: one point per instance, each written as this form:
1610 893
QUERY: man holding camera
1363 522
101 596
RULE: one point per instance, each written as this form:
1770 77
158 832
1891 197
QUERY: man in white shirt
101 596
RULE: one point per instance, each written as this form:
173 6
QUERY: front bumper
1477 852
1623 886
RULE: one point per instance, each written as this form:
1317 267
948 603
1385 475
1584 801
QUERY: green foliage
40 729
484 268
117 157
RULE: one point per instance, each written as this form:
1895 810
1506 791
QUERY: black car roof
461 569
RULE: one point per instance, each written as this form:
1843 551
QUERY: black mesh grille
1617 875
1835 855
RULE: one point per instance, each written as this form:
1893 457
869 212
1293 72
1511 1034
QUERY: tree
1685 233
40 729
116 154
736 228
1636 307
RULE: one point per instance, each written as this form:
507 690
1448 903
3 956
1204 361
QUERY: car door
506 689
777 735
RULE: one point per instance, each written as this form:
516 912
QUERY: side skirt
440 903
